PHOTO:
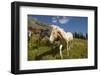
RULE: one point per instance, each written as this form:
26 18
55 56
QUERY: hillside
37 24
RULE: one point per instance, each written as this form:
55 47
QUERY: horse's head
57 33
53 35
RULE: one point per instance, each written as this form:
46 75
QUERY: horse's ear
53 26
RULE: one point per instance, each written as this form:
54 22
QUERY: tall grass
44 50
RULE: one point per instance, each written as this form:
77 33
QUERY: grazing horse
32 31
40 32
44 33
64 38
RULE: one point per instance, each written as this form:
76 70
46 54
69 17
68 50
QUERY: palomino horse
64 38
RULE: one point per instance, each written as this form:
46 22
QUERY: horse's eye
53 32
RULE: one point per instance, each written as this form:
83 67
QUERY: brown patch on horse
63 41
60 35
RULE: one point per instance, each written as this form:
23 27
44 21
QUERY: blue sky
68 23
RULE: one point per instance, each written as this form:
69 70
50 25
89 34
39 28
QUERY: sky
68 23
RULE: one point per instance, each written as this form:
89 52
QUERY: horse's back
69 36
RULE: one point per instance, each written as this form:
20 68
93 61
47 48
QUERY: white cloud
60 19
63 20
54 19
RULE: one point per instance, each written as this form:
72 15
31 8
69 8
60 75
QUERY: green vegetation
44 50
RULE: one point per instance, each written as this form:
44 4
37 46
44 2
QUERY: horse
65 38
32 31
41 33
44 33
29 35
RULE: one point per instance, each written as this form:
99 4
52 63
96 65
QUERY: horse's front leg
61 51
67 49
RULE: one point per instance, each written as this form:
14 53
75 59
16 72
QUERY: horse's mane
61 31
58 28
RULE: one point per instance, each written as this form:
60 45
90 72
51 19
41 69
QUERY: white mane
60 29
57 27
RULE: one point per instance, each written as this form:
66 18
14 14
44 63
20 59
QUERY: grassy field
43 51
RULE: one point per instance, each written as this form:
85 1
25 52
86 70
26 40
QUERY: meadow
42 50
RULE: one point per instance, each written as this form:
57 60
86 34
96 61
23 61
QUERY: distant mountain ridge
35 24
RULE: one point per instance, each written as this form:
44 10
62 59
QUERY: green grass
43 51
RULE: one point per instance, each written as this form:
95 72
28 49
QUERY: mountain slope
37 24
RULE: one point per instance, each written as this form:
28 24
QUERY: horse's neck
61 38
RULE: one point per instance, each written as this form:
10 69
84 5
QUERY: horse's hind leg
69 43
67 52
61 51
